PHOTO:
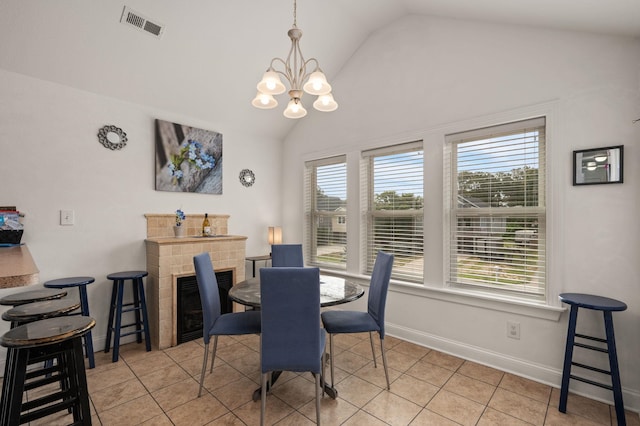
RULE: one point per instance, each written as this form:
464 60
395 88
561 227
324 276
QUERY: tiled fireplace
169 258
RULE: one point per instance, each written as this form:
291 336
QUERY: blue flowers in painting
193 152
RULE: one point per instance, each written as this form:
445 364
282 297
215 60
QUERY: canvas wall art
188 159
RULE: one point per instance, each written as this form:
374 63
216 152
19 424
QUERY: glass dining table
333 291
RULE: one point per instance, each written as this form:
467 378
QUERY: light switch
67 217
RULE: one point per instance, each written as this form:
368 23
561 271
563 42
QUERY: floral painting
188 159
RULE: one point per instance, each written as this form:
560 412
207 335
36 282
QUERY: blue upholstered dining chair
286 255
291 339
337 322
214 323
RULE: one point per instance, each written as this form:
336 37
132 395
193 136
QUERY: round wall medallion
112 137
247 178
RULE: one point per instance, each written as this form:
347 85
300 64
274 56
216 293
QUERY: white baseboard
540 373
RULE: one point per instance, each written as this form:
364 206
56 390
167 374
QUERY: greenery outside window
326 212
495 202
392 189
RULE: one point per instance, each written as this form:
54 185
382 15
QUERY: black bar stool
607 306
37 311
32 296
34 342
138 306
81 283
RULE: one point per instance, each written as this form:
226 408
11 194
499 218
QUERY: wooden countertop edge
17 267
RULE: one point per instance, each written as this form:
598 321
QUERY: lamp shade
271 84
264 101
275 235
317 84
295 109
325 103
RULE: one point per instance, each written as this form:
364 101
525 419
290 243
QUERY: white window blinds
326 212
393 197
495 193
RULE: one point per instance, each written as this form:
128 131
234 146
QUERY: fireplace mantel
169 258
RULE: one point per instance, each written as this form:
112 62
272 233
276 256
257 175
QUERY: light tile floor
428 388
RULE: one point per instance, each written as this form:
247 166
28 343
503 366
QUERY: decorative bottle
206 226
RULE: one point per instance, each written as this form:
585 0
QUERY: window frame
453 213
312 213
369 213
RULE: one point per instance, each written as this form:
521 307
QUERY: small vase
178 231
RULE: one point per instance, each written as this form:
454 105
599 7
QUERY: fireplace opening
189 318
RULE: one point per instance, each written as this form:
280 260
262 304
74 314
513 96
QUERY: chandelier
296 70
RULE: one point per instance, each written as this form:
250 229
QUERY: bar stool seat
607 306
32 296
34 342
81 283
36 311
138 306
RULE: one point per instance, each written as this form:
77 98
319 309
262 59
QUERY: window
326 210
495 196
393 197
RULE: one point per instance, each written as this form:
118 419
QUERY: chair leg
373 352
615 371
317 376
215 349
263 402
331 360
568 357
324 363
204 367
384 363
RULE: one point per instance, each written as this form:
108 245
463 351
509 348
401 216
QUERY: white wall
50 159
421 77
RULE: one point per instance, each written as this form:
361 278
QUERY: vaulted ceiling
213 52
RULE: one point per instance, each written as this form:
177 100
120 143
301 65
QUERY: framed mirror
247 178
598 165
112 137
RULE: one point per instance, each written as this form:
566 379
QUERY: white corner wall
421 76
50 159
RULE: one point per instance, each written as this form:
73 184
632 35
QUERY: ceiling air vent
132 18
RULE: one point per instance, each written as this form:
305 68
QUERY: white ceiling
213 52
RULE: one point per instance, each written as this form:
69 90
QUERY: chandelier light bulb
264 101
295 109
325 103
271 84
317 84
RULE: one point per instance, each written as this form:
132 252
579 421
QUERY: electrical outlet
513 330
67 217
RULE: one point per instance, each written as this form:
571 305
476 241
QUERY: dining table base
257 394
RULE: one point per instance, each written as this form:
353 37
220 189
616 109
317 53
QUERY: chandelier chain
295 14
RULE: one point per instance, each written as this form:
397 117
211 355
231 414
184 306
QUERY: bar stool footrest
588 367
131 332
591 347
46 411
33 384
591 382
128 325
597 339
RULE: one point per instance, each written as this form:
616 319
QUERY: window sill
490 302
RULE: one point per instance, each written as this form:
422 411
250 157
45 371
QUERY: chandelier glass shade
302 76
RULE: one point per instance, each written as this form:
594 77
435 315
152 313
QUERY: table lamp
275 235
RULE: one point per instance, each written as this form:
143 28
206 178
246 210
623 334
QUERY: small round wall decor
247 178
112 137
